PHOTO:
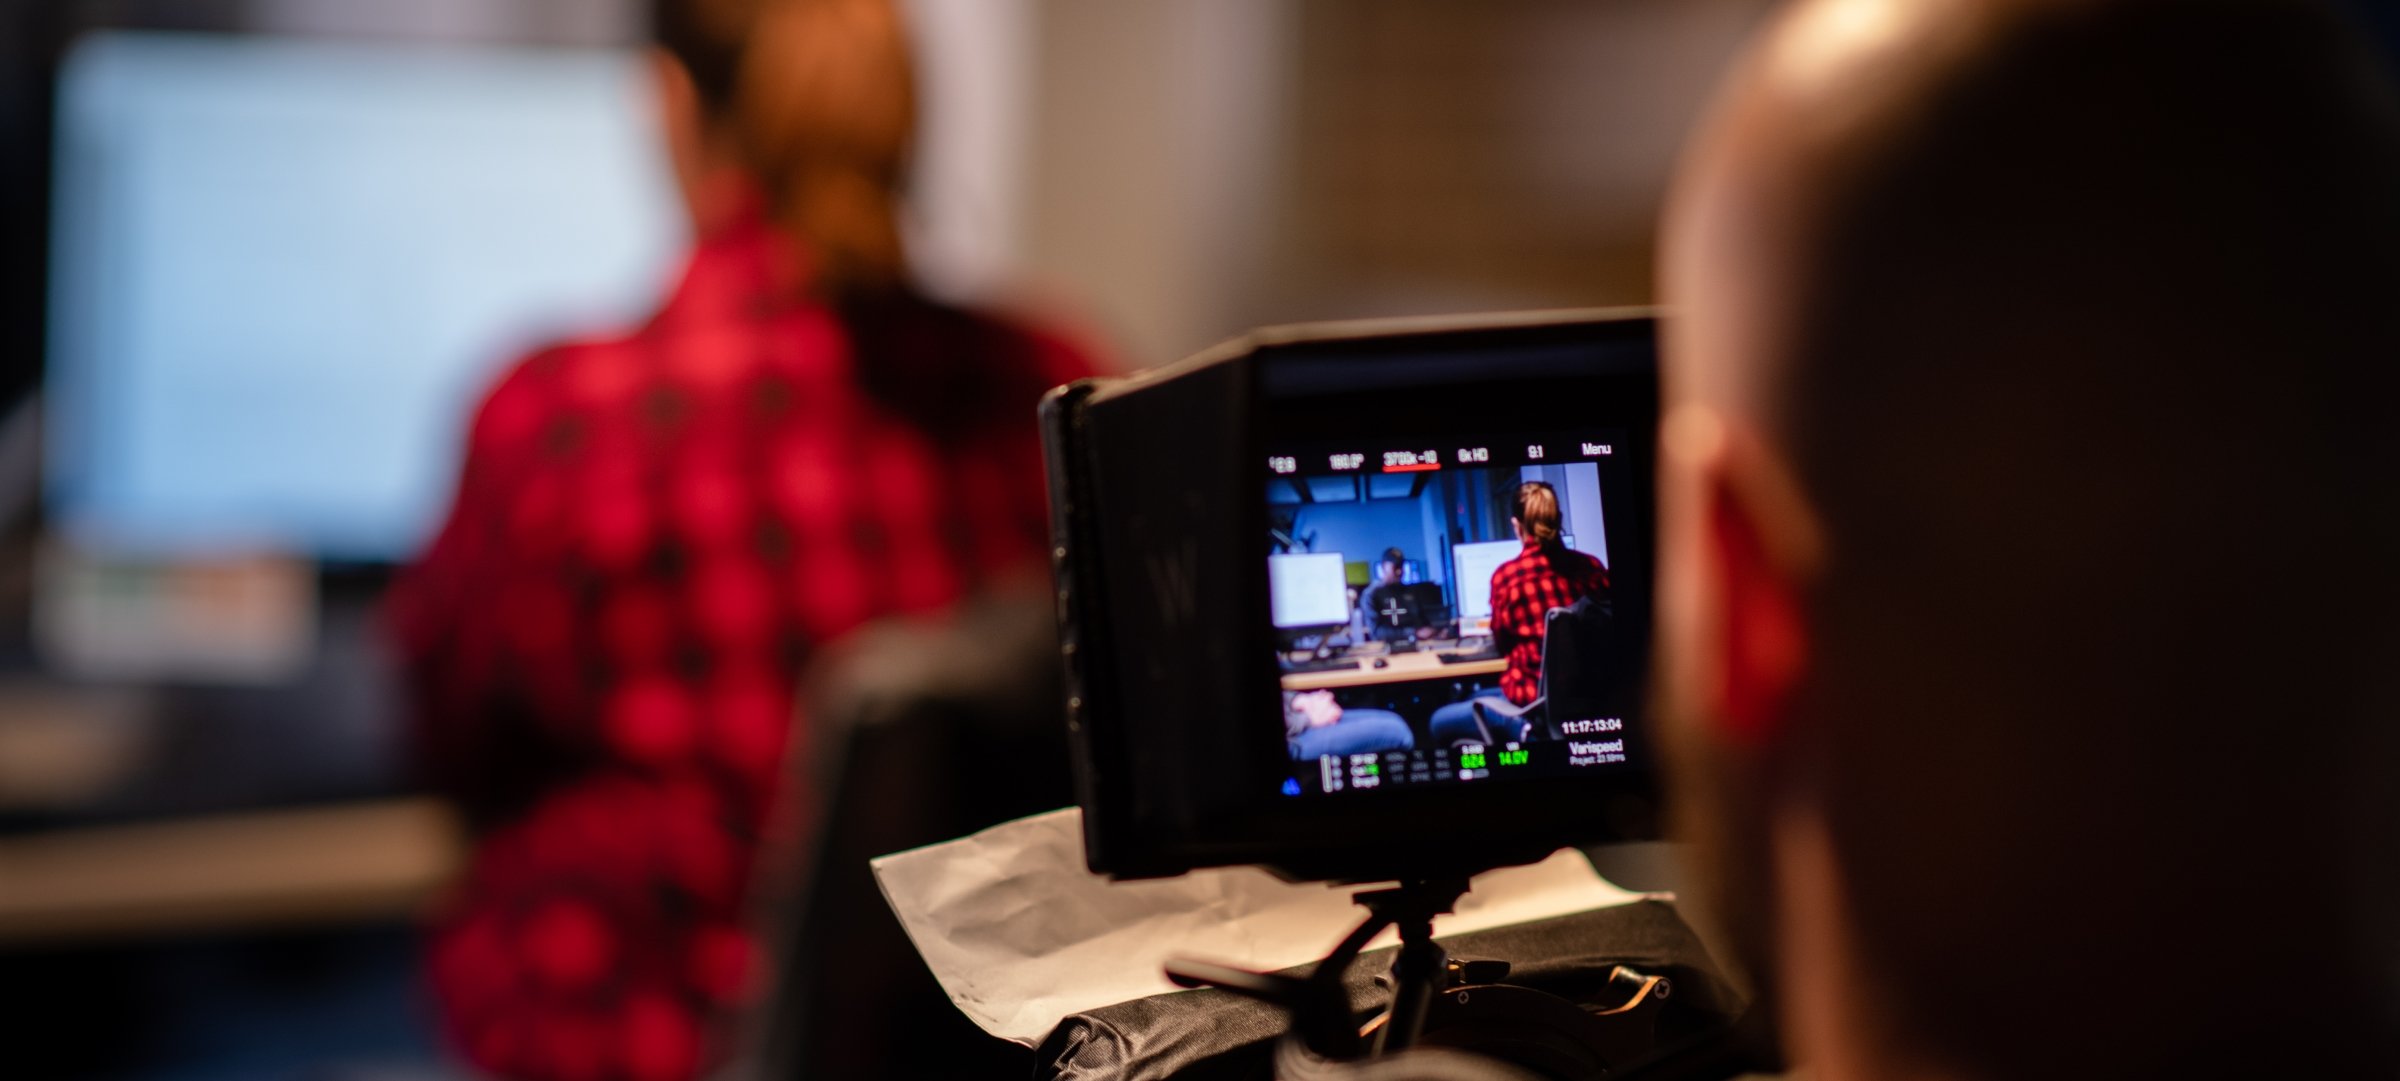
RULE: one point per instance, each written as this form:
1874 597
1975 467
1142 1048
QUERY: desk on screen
1398 668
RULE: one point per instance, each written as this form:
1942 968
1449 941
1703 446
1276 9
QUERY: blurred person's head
810 104
1533 512
2029 578
1392 564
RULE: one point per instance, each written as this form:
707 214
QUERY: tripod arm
1320 1003
1423 966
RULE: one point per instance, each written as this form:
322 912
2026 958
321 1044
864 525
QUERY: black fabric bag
1211 1035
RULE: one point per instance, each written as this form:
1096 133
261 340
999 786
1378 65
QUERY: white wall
975 73
588 22
1154 166
1578 487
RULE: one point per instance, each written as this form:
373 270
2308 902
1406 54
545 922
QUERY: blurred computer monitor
1474 564
1408 607
1308 590
284 271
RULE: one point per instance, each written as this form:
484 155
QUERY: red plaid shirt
1524 590
651 535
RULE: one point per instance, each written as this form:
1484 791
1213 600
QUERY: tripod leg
1416 974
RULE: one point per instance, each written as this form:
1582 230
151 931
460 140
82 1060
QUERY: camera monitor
1475 703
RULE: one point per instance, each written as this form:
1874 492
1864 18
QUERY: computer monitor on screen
284 271
1308 590
1473 564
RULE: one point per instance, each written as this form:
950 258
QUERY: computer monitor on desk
284 271
1406 609
1308 592
1473 565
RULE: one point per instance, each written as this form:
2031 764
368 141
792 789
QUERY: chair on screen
1576 678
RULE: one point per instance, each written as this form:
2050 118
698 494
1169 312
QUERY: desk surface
364 861
1401 668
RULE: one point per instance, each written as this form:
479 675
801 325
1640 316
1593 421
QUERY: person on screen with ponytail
1546 575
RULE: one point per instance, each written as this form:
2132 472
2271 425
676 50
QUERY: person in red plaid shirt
1546 575
654 532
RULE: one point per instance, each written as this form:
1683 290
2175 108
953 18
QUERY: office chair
919 731
1577 677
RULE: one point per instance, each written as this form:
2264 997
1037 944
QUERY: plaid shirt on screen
1524 590
651 535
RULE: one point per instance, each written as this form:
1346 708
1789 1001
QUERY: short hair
2084 354
1393 557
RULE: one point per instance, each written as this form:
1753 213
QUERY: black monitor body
1177 708
1407 608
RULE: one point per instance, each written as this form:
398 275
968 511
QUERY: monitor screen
1524 677
285 271
1310 590
1474 564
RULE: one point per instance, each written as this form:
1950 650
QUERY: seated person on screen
1314 725
1547 575
1375 607
1995 733
654 532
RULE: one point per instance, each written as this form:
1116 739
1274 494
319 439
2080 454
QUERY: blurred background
259 258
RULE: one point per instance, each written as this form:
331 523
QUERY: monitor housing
1180 679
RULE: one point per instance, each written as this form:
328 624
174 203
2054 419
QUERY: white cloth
1022 936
